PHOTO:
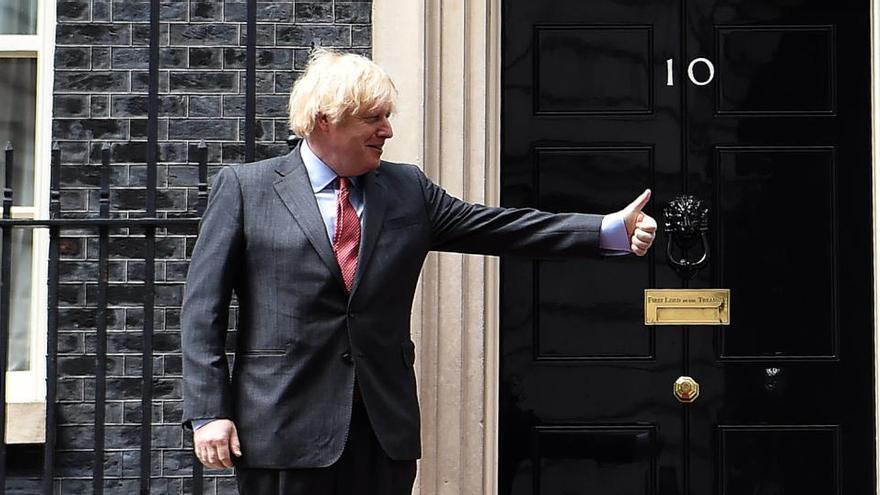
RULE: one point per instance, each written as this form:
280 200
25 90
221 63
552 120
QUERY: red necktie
347 239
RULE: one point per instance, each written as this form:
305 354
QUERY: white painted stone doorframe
445 55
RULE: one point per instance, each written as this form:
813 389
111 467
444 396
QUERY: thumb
639 203
236 445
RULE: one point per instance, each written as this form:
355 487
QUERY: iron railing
103 224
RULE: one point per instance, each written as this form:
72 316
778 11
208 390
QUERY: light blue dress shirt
613 239
326 187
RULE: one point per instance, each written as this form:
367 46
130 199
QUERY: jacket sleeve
212 276
463 227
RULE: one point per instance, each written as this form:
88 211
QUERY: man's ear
322 122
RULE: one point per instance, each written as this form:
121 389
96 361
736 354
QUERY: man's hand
640 227
214 441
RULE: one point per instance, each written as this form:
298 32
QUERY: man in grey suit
323 248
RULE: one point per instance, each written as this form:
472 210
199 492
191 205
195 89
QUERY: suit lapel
295 190
374 211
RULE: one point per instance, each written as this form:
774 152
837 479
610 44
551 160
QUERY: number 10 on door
705 61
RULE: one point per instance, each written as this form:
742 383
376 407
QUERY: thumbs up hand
640 227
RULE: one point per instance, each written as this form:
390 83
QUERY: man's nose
385 130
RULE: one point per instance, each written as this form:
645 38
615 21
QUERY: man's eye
372 119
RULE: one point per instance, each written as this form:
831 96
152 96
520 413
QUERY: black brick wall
100 96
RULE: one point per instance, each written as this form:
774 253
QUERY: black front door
761 109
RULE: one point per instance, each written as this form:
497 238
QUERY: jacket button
346 357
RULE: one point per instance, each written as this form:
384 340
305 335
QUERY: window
26 57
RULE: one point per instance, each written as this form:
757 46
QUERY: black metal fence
103 224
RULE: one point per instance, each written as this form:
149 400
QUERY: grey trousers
363 469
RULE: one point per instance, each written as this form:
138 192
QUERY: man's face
355 143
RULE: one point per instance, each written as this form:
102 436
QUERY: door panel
773 459
775 69
568 53
766 273
568 325
572 458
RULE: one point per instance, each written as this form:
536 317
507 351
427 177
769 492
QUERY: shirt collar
320 175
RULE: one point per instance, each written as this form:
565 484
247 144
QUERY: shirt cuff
613 239
198 423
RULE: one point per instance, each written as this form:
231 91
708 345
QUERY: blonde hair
337 85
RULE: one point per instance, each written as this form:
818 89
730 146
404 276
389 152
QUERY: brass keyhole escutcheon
686 389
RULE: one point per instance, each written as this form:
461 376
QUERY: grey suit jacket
301 337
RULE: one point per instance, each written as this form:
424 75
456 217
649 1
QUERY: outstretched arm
477 229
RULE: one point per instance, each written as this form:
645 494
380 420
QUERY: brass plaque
687 306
